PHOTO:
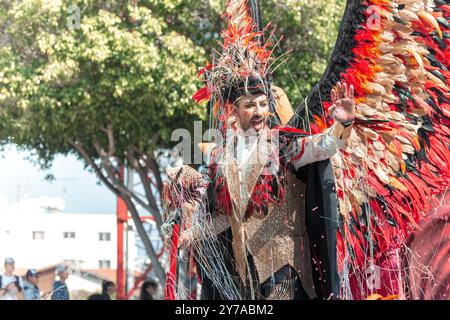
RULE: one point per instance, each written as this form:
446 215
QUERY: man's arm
319 147
219 223
19 295
20 291
323 146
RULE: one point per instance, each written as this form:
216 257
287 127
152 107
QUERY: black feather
340 60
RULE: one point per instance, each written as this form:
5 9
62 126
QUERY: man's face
252 112
111 290
64 275
152 290
33 280
9 267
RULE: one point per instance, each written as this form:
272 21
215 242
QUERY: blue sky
79 188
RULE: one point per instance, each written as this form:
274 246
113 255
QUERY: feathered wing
396 53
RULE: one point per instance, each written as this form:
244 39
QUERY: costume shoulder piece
396 54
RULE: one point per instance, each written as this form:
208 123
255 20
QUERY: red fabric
170 277
429 271
301 152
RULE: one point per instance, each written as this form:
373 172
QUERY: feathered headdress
242 67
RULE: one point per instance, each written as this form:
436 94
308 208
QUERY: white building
37 234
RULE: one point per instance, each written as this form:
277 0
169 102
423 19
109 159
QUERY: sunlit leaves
122 66
132 64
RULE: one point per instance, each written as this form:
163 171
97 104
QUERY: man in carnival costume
301 205
255 199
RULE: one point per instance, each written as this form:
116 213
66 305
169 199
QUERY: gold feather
428 17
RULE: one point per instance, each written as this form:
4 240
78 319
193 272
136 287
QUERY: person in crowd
30 286
10 284
148 290
60 290
97 296
108 289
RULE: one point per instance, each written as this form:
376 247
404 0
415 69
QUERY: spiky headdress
242 66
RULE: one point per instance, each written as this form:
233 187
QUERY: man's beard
257 123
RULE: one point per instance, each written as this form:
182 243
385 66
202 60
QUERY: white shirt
314 148
246 148
6 280
303 151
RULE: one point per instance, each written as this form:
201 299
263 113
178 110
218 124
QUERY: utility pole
121 219
130 186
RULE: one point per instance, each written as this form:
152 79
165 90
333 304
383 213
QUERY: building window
73 263
104 264
104 236
70 262
38 235
69 235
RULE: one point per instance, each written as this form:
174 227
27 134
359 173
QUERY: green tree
109 84
309 29
110 80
